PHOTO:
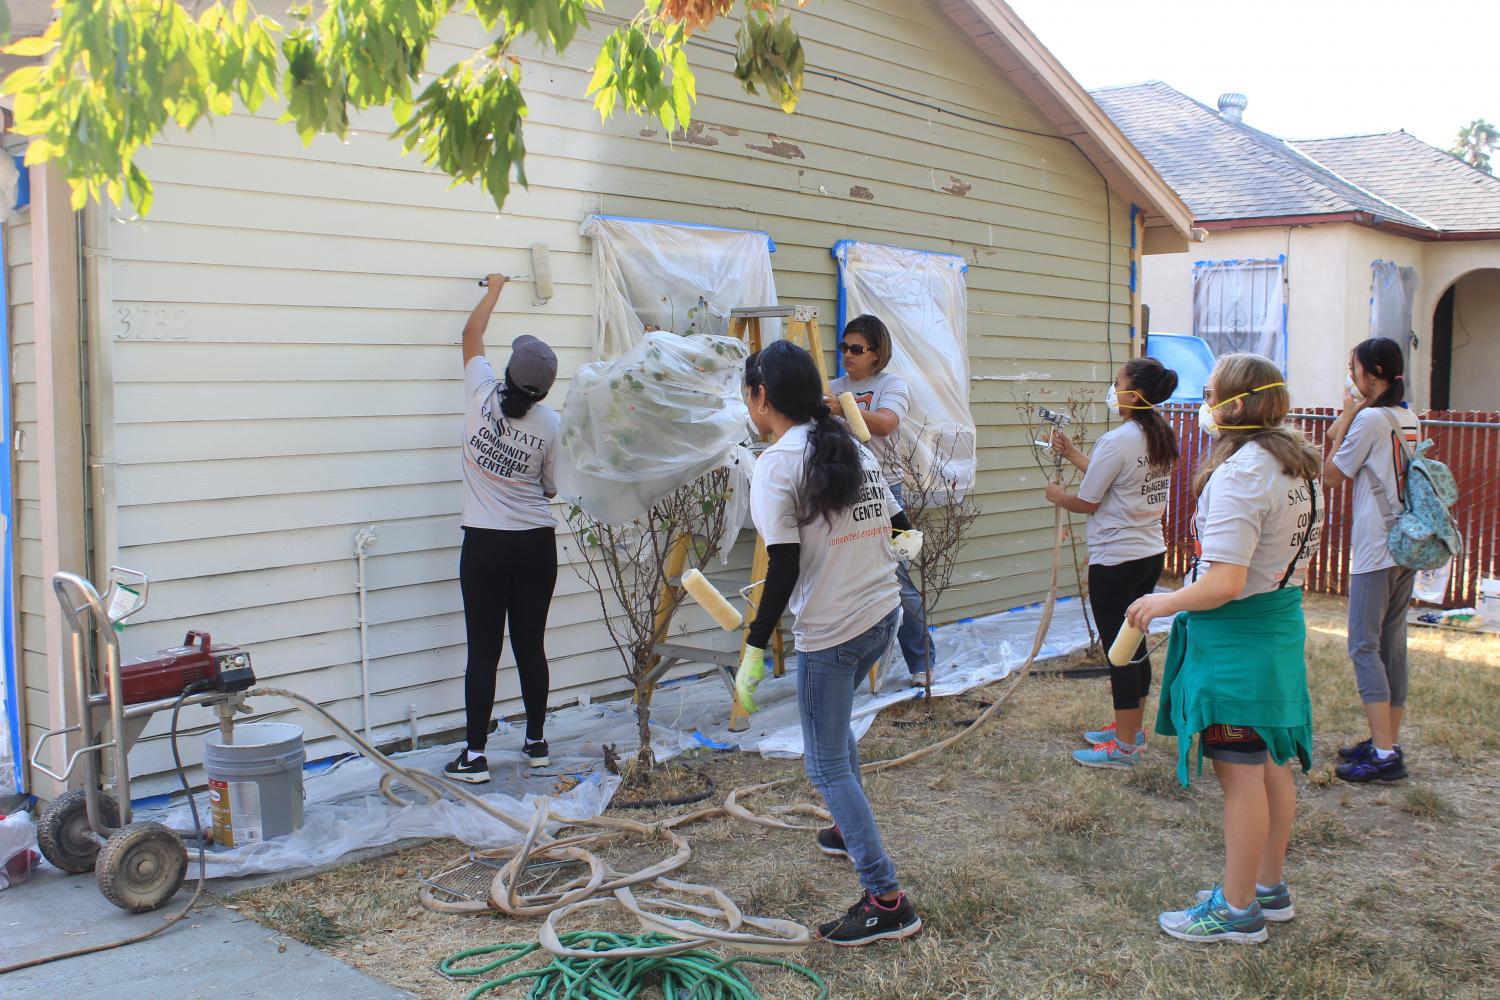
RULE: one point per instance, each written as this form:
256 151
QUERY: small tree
938 507
634 569
1476 142
1052 465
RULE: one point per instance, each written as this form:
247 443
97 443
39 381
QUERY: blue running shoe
1108 755
1211 920
1275 906
1371 768
1099 737
1360 749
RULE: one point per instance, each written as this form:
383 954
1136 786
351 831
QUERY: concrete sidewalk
215 953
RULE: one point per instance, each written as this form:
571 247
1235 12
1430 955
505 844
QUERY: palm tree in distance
1476 141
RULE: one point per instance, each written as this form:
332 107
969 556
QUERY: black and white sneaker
831 842
536 753
870 920
472 768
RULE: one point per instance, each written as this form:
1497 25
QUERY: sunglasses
855 349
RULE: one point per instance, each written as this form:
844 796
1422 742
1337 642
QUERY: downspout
100 392
364 541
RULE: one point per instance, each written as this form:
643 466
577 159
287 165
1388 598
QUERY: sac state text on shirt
493 453
1311 533
1156 484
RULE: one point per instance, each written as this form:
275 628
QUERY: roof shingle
1228 170
1442 189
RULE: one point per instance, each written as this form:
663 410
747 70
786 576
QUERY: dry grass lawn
1039 878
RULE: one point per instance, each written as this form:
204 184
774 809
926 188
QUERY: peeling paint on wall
778 147
648 133
726 129
957 187
862 193
694 136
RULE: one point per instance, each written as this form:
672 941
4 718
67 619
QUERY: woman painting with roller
820 503
883 398
1124 492
1236 676
508 564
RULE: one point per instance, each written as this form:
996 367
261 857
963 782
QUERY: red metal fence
1467 442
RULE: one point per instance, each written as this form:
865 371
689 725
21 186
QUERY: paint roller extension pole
854 418
697 585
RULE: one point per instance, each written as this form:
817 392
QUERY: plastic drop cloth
675 276
1393 290
344 812
922 300
637 427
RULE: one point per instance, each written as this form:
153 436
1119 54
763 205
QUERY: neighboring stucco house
1315 245
224 393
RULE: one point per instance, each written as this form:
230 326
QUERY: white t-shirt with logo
1371 457
507 463
846 579
1253 514
882 391
1131 498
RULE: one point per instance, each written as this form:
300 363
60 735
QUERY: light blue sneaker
1099 737
1108 755
1211 920
1275 906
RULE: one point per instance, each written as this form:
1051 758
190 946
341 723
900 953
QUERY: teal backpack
1424 535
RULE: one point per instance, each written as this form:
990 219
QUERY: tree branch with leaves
115 74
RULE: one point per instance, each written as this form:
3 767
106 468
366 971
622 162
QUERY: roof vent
1232 106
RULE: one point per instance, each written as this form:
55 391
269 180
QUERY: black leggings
1112 590
506 573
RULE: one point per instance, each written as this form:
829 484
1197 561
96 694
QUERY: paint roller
853 417
540 276
1122 650
698 587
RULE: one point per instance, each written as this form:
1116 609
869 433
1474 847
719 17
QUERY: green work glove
752 670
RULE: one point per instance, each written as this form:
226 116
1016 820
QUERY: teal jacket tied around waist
1243 664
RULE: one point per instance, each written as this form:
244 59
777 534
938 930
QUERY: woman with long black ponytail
1124 493
822 507
507 567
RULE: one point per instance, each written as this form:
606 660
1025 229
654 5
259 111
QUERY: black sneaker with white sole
536 753
831 842
472 768
870 920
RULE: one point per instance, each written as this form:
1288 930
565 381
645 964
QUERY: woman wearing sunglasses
883 399
1236 673
822 508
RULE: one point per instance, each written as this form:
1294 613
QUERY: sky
1311 68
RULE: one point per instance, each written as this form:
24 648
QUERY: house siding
286 322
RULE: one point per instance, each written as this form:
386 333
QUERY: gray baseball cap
533 365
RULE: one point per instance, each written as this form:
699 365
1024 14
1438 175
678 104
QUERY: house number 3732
151 323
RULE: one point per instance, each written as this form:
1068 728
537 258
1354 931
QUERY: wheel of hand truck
141 867
63 831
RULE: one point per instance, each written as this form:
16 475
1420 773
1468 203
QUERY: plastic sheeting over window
637 427
675 276
1240 306
1393 290
922 300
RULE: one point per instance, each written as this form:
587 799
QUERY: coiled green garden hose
686 975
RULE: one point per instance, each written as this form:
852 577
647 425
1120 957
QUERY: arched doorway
1466 344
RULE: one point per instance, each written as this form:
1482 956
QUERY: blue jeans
826 684
916 642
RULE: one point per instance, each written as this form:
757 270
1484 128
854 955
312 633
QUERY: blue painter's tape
770 243
12 706
1132 275
23 189
712 743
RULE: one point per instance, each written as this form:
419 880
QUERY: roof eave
1069 107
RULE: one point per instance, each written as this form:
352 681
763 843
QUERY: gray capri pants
1377 633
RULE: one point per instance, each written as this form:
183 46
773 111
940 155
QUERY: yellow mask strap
1244 427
